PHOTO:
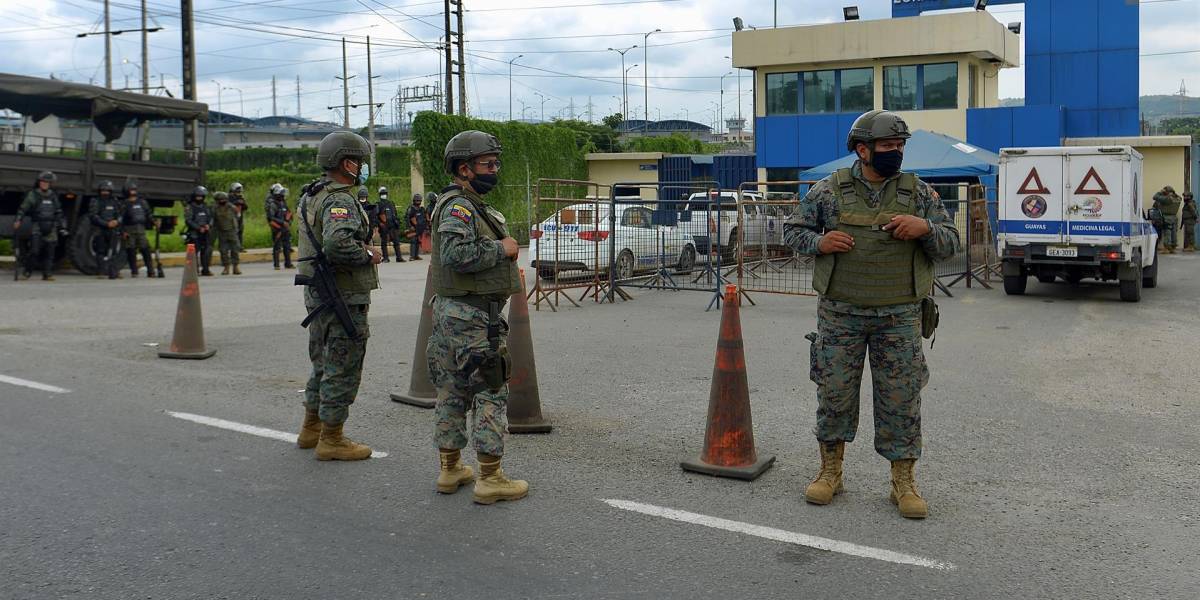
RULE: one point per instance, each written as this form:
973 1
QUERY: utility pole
298 116
589 109
646 71
108 48
144 128
188 46
455 67
462 61
449 63
624 98
510 64
370 105
274 106
345 89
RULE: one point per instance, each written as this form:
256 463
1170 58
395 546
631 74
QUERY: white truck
1075 212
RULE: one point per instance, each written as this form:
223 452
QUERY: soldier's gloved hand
112 224
907 227
376 255
510 247
835 241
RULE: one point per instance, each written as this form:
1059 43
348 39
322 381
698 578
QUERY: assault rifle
322 280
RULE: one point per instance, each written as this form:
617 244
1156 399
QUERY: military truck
163 177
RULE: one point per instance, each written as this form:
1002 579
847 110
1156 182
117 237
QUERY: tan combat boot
225 271
829 478
236 270
493 485
904 490
453 473
310 431
333 446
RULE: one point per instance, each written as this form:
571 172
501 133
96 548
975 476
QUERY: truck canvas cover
109 110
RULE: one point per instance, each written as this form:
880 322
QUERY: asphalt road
1061 455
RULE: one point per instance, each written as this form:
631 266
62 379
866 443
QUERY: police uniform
136 216
389 226
417 219
280 220
106 209
870 305
198 217
44 208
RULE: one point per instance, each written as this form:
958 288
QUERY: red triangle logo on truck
1033 178
1092 176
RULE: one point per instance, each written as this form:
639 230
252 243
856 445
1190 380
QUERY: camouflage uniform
847 331
1167 202
459 335
1189 217
225 223
341 227
46 212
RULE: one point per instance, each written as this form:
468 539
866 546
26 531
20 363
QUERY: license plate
1062 252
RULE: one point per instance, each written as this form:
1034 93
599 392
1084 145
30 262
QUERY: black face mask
485 182
887 163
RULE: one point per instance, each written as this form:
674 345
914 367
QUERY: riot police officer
41 205
876 233
389 225
136 216
279 218
198 217
238 200
474 271
417 222
104 213
332 221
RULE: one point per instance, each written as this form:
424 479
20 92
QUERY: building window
820 94
783 93
972 86
857 90
900 88
940 86
782 174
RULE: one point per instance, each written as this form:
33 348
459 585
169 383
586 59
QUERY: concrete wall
1160 167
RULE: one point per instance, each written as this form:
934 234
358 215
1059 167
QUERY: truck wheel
82 250
1131 289
1045 278
687 261
1014 285
1150 276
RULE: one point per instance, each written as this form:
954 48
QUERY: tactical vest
47 208
498 282
349 278
201 215
135 214
108 209
880 270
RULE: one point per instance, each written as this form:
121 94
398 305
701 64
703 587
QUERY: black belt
481 302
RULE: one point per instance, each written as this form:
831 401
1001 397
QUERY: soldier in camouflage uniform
42 206
474 271
876 233
336 221
1189 222
238 200
225 218
104 213
1167 202
136 216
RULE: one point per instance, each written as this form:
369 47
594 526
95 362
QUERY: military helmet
1168 189
340 145
876 125
105 186
363 193
47 176
131 185
236 188
416 198
431 197
1187 196
221 196
467 145
200 191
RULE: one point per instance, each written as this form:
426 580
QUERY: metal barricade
962 202
764 264
566 238
683 240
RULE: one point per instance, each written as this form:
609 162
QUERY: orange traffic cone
421 392
729 436
188 341
524 403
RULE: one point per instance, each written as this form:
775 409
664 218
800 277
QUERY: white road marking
780 535
273 434
33 384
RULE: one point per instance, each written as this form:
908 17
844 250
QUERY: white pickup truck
1075 213
762 223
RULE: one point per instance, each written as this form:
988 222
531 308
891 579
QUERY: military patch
339 214
461 212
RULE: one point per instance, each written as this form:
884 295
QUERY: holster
929 318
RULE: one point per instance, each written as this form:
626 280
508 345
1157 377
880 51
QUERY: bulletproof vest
349 278
1170 205
108 209
879 270
135 214
500 281
201 214
47 208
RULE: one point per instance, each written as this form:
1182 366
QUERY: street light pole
539 95
241 101
624 96
722 117
218 94
510 64
646 72
627 81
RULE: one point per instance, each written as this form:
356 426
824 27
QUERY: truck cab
1075 213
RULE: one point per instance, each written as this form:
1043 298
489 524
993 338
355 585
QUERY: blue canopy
929 155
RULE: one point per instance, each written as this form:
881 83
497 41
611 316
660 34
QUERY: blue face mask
364 172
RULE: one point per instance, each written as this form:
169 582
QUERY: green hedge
545 150
390 160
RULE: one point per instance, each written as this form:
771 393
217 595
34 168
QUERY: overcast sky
243 43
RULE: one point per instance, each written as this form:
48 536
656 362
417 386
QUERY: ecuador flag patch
461 213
